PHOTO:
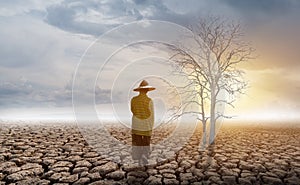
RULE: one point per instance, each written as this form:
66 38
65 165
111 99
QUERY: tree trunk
203 135
212 116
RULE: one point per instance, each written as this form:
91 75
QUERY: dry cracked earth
58 154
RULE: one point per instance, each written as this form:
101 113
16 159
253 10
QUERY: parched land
59 154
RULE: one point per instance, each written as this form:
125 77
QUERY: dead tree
211 64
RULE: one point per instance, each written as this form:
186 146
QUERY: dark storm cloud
69 16
7 89
262 6
96 17
27 94
63 17
20 94
99 16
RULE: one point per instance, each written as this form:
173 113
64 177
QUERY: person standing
142 123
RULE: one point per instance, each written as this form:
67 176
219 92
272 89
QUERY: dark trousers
140 146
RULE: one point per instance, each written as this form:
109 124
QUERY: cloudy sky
42 43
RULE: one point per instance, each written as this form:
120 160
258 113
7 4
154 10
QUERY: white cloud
18 7
36 62
38 51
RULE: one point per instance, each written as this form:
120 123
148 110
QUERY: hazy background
42 42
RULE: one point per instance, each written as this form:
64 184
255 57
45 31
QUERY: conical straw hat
144 85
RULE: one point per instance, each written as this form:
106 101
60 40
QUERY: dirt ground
58 154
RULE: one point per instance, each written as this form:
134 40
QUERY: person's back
142 123
140 106
143 115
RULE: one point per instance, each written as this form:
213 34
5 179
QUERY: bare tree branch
212 67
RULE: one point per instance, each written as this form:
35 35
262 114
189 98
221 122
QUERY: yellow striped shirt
143 115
